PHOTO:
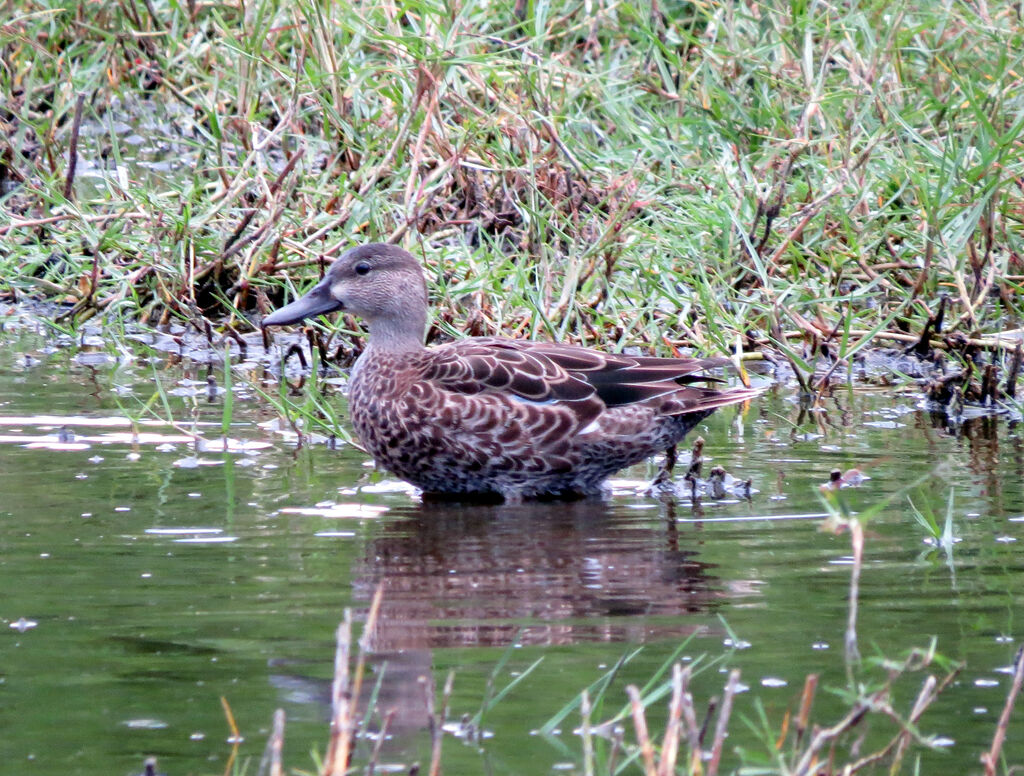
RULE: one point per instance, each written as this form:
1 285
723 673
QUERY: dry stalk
1014 371
433 723
990 758
29 223
674 728
806 700
587 734
722 726
341 701
850 641
235 738
233 244
822 736
233 189
928 694
76 125
636 705
345 688
371 766
436 720
271 762
323 42
923 701
277 743
690 718
426 86
808 212
365 640
970 305
449 683
367 184
926 265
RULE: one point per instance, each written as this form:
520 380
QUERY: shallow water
145 579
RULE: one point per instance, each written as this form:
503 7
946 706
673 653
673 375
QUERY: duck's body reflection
536 574
541 573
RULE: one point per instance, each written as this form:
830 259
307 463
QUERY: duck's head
378 282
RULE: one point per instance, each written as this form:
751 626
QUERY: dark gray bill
316 302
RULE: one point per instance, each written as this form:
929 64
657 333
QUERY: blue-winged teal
499 418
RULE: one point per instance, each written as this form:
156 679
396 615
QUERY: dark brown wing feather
482 364
591 380
620 379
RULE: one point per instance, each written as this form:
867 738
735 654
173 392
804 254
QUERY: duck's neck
398 334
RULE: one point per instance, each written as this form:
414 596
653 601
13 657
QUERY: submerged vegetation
655 175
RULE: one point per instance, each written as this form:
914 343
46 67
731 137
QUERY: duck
492 418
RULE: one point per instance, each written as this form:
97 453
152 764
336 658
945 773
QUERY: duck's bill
317 302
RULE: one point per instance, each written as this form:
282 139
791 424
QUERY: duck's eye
362 268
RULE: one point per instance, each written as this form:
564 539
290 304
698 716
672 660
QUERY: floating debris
837 479
23 624
359 511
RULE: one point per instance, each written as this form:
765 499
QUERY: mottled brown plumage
497 417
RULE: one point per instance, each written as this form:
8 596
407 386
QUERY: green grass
598 172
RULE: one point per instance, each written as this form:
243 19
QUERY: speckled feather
488 416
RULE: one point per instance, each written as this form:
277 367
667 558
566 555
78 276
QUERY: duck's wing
490 364
619 379
589 380
670 384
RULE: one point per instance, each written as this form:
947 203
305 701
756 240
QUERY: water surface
145 577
